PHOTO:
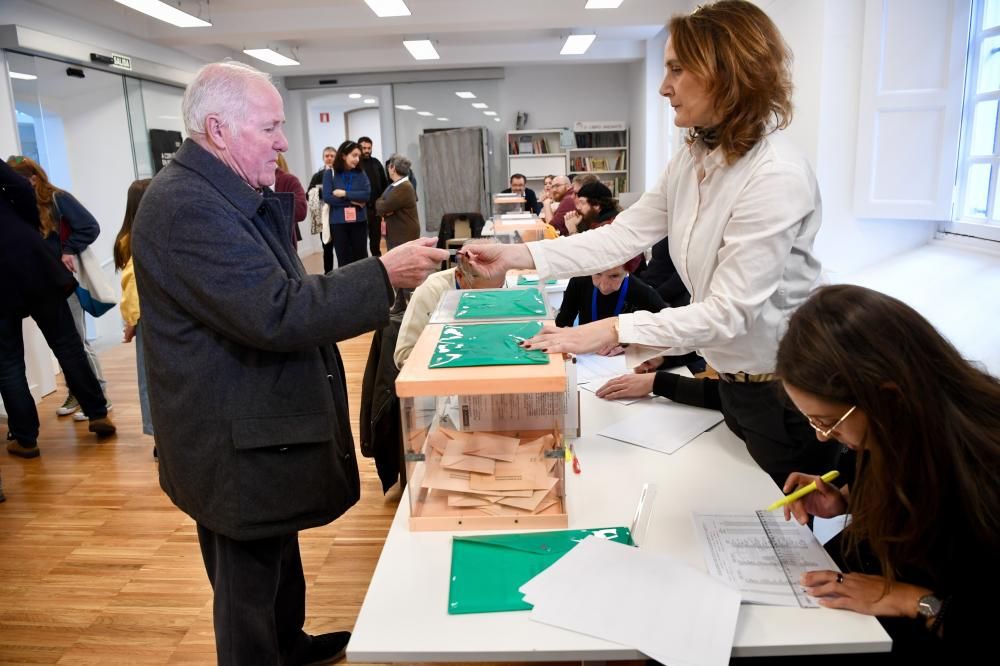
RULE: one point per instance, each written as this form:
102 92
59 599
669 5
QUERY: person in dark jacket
346 190
247 388
36 284
379 180
519 185
606 294
317 178
69 229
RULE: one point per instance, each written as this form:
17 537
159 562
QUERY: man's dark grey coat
246 385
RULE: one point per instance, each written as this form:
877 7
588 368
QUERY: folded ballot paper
648 601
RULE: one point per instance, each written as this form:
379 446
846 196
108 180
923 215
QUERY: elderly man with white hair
246 385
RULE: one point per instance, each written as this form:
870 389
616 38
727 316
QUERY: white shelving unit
547 156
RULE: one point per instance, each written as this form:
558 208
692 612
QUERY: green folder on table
525 281
487 571
500 303
475 345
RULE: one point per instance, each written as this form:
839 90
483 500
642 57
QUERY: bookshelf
601 148
536 154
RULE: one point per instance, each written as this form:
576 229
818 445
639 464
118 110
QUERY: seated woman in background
607 294
922 543
425 299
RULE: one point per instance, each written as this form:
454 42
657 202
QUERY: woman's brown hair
738 53
123 241
932 453
45 192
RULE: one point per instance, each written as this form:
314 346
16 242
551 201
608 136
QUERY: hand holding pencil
826 501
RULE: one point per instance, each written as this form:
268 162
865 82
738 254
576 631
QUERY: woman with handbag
69 229
346 190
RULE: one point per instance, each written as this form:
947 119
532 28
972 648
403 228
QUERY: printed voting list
763 555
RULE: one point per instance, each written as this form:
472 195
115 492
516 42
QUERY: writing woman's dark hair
346 148
123 241
738 53
932 452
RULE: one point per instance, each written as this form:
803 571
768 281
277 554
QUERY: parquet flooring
98 567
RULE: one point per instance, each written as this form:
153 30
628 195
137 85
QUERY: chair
456 228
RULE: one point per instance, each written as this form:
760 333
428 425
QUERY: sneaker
16 447
80 416
69 406
324 649
103 427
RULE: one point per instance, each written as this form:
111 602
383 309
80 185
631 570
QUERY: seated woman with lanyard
923 537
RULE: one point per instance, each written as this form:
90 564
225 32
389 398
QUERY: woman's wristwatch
931 608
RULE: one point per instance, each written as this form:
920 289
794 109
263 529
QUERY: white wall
366 122
826 39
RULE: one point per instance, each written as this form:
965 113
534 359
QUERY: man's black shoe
325 648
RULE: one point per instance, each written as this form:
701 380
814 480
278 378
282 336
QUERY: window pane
989 65
991 14
984 125
977 190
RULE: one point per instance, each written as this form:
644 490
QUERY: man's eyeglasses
825 431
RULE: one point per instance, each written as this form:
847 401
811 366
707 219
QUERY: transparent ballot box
508 203
460 306
518 228
483 444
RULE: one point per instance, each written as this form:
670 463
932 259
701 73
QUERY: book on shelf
526 146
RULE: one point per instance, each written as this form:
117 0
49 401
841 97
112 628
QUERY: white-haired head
219 88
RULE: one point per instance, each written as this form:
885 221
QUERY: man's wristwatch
929 607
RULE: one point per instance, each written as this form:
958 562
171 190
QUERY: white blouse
741 239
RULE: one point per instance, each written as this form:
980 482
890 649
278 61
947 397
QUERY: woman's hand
584 339
827 502
339 193
863 593
69 263
613 349
627 386
128 332
493 260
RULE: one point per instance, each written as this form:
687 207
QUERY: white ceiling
344 36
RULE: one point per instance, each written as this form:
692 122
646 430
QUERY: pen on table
803 491
576 460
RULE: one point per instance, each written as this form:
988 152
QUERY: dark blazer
531 204
377 178
399 204
246 385
29 271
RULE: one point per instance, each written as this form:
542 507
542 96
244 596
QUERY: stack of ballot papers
651 602
594 371
491 473
662 425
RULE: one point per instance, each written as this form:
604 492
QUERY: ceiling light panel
271 56
444 120
480 105
577 44
355 95
424 113
164 12
465 94
603 4
370 100
388 8
405 107
421 49
22 77
489 113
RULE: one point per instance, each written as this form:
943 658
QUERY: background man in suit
518 185
246 385
379 181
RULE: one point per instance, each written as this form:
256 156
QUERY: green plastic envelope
468 345
524 281
500 303
487 571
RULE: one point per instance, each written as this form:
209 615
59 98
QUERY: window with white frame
978 192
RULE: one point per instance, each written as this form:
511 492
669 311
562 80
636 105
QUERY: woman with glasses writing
921 547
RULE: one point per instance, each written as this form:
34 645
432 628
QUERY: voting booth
484 419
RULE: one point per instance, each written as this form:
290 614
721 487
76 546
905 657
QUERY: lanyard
619 306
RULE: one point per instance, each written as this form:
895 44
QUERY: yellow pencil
803 491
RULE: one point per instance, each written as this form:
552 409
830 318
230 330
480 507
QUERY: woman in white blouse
741 208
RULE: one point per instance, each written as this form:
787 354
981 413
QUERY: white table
405 618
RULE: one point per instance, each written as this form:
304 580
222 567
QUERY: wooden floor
98 567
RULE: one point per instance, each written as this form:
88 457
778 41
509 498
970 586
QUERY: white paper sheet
593 386
591 367
662 425
649 601
739 552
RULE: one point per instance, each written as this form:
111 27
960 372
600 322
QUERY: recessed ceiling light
271 56
444 120
355 95
465 94
405 107
421 49
386 8
164 12
603 4
371 100
23 77
424 113
489 113
577 44
480 105
497 119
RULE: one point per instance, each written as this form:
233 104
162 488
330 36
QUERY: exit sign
121 61
324 117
